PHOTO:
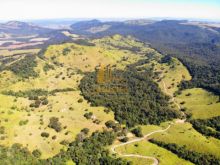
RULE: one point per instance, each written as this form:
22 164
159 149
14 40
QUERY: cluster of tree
23 122
33 94
138 101
137 131
207 77
202 63
88 115
66 51
24 67
84 150
93 150
53 92
83 42
2 129
203 126
16 154
55 124
38 101
192 156
48 67
197 48
166 59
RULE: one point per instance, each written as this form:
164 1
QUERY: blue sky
43 9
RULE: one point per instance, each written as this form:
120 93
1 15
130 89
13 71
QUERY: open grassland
184 135
63 66
148 149
200 103
86 58
24 124
13 52
170 75
64 106
139 161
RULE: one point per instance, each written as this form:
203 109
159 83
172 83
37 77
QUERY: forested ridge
143 103
196 47
84 150
182 152
204 126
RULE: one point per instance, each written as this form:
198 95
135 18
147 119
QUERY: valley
52 112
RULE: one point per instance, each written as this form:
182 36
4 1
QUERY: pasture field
63 66
148 149
200 103
139 161
13 52
24 124
184 135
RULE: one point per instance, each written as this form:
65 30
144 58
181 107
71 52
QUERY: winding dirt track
173 100
155 161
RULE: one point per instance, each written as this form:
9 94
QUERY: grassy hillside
200 103
42 106
185 135
148 149
62 67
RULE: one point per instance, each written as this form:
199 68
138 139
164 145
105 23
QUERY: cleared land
24 124
200 103
148 149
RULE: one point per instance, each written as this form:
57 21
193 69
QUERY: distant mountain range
196 44
22 28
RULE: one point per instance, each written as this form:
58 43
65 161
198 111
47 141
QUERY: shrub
23 122
85 131
137 132
37 153
45 134
55 124
80 100
124 140
88 115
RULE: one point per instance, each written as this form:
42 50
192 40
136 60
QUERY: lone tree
55 124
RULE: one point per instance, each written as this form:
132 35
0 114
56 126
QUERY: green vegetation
33 94
192 156
92 149
203 126
183 134
45 110
143 102
55 124
48 67
200 104
24 67
146 148
137 131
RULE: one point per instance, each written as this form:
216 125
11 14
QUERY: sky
47 9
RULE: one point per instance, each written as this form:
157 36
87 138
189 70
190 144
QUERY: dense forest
196 47
203 66
92 150
208 127
192 156
84 150
138 101
24 67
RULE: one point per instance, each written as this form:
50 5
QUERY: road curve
174 100
137 140
156 162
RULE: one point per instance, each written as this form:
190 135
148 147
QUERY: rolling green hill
58 107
